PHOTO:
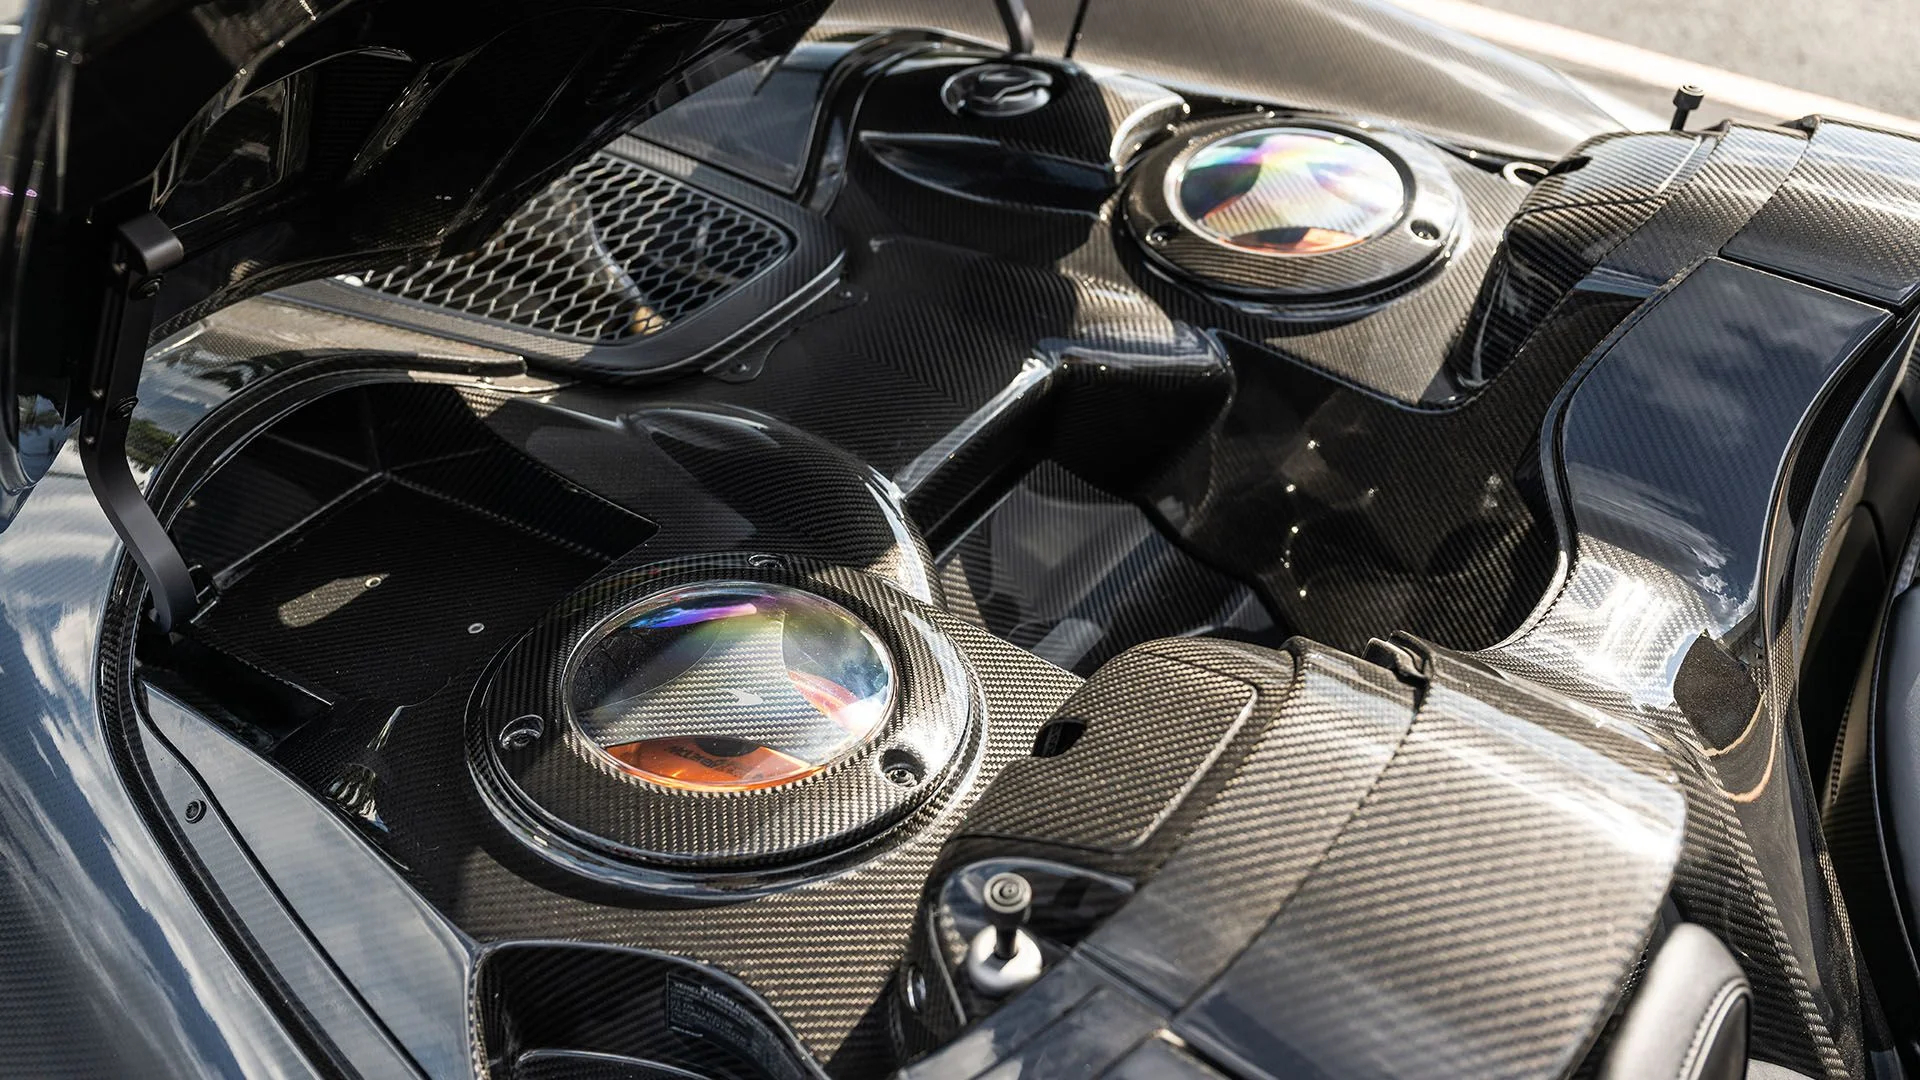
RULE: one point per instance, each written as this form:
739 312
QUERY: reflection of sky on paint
1291 190
688 616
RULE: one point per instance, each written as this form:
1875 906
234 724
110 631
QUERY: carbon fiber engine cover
1336 871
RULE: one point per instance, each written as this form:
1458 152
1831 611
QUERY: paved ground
1864 51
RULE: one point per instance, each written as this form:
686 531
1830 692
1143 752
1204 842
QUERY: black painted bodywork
1595 466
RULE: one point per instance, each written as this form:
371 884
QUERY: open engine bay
926 558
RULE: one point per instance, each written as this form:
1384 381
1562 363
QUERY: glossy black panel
409 965
1692 375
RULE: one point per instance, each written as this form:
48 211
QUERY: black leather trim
1688 1019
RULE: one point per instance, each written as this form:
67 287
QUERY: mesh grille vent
611 252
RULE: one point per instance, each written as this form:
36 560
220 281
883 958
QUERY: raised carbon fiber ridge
1490 895
1571 220
1339 722
1451 879
1744 170
1842 216
1153 725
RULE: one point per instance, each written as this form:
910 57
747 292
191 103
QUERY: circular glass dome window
1289 191
731 686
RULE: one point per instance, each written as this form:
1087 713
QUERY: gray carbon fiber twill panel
1495 887
1718 882
841 935
1843 216
1620 166
1738 178
1153 724
1338 725
1399 349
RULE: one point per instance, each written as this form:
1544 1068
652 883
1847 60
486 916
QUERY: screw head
148 289
522 732
195 811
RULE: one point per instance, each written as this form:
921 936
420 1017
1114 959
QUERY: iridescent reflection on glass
731 686
1290 191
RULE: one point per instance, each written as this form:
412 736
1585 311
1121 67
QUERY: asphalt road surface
1862 51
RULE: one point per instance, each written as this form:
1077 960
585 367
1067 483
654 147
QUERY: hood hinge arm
143 249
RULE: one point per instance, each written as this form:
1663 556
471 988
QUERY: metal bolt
523 732
474 628
1160 234
374 581
1008 892
765 562
1008 897
148 289
195 811
900 774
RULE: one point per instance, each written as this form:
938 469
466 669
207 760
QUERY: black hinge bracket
143 249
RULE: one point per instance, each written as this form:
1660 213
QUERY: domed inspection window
731 686
1289 191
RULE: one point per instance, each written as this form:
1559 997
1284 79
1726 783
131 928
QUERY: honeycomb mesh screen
611 251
